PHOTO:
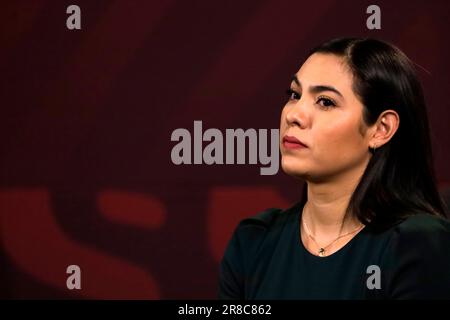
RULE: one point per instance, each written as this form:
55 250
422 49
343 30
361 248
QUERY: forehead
326 69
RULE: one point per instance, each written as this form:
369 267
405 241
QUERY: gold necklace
322 249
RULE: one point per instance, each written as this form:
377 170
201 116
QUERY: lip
291 142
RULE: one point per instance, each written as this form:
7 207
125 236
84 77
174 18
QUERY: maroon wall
86 175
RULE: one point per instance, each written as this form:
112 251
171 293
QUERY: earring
372 149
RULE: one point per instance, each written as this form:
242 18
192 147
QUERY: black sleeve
241 252
231 273
418 259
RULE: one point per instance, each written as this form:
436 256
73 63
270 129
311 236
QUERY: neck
325 209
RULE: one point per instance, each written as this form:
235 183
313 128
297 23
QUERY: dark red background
86 118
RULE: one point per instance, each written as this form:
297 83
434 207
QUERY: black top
266 259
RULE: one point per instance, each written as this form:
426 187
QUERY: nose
295 115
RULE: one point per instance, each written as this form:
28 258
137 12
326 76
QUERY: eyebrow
318 88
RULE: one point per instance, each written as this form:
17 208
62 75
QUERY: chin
294 169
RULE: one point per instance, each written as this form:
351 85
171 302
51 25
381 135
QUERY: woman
371 223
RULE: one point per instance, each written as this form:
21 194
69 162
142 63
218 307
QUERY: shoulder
253 230
418 258
423 227
424 223
262 220
246 242
266 220
422 233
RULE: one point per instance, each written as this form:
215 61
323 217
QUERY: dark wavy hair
399 180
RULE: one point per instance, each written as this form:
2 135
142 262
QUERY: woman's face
324 114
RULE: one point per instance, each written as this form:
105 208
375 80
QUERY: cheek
282 122
283 116
338 138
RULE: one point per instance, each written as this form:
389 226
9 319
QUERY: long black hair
399 180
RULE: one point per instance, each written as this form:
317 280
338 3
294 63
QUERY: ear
384 129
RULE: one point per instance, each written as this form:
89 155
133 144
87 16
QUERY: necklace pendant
321 252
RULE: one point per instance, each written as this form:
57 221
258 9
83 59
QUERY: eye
292 95
326 102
